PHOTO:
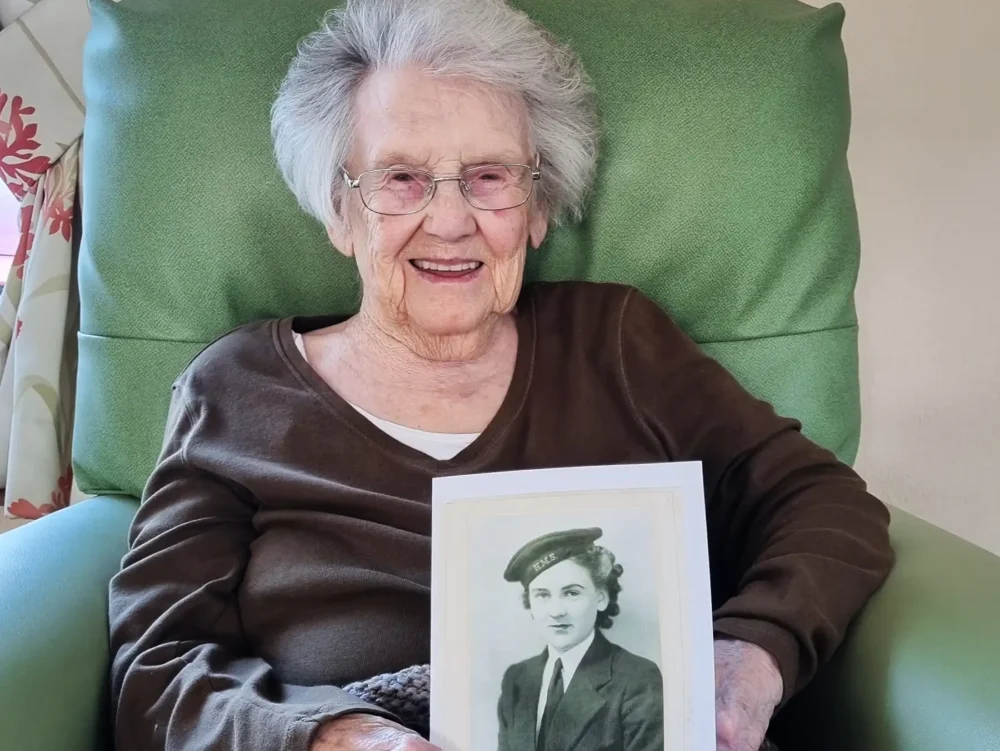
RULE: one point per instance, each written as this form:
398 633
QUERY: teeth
431 266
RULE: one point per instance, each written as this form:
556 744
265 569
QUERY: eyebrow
568 586
395 158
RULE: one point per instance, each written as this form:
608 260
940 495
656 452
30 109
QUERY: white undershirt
441 446
570 662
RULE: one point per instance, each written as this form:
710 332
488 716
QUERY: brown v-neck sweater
283 545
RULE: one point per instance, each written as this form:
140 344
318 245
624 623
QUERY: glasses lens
497 186
396 191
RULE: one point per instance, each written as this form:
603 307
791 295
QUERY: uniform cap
546 551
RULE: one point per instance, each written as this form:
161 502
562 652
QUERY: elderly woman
283 546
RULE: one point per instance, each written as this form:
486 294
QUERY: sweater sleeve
183 675
796 543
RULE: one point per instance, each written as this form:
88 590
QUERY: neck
452 385
424 350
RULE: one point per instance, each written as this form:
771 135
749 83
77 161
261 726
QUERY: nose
449 216
557 608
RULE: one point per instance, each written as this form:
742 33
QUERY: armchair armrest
54 576
920 669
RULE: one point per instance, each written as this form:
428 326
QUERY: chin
566 642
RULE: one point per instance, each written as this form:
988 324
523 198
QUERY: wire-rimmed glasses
397 191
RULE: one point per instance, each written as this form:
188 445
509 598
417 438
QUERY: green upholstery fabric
919 669
54 576
723 193
917 673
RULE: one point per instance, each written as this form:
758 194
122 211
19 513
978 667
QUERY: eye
488 175
407 184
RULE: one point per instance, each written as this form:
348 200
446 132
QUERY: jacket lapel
526 712
582 701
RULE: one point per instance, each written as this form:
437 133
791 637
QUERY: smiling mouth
446 268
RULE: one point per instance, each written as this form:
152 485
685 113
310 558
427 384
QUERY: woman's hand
365 732
748 688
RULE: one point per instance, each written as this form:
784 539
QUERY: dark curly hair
605 573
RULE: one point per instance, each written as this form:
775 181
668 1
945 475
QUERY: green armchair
723 192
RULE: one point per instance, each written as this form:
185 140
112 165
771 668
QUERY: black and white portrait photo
583 691
571 618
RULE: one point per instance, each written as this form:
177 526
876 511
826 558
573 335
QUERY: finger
390 736
416 743
364 732
736 730
393 737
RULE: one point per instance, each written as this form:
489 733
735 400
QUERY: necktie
551 701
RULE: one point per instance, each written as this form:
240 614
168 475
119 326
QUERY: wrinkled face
564 604
442 125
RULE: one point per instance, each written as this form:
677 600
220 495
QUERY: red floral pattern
58 209
41 173
23 251
60 499
60 213
20 167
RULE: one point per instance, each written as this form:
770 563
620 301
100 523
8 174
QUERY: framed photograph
571 609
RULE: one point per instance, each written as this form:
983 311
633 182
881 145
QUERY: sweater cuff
301 731
771 638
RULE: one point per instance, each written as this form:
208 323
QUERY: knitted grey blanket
407 694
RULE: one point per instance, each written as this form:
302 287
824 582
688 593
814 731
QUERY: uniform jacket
614 703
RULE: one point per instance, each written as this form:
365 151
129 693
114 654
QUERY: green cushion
54 577
723 193
918 671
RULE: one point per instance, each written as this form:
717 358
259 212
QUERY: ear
602 601
339 231
538 225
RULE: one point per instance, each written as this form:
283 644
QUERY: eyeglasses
401 190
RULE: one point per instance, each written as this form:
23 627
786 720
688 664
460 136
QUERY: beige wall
925 155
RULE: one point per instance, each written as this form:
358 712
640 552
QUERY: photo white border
684 478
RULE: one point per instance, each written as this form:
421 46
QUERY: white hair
487 41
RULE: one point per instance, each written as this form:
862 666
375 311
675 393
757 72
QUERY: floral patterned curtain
41 124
